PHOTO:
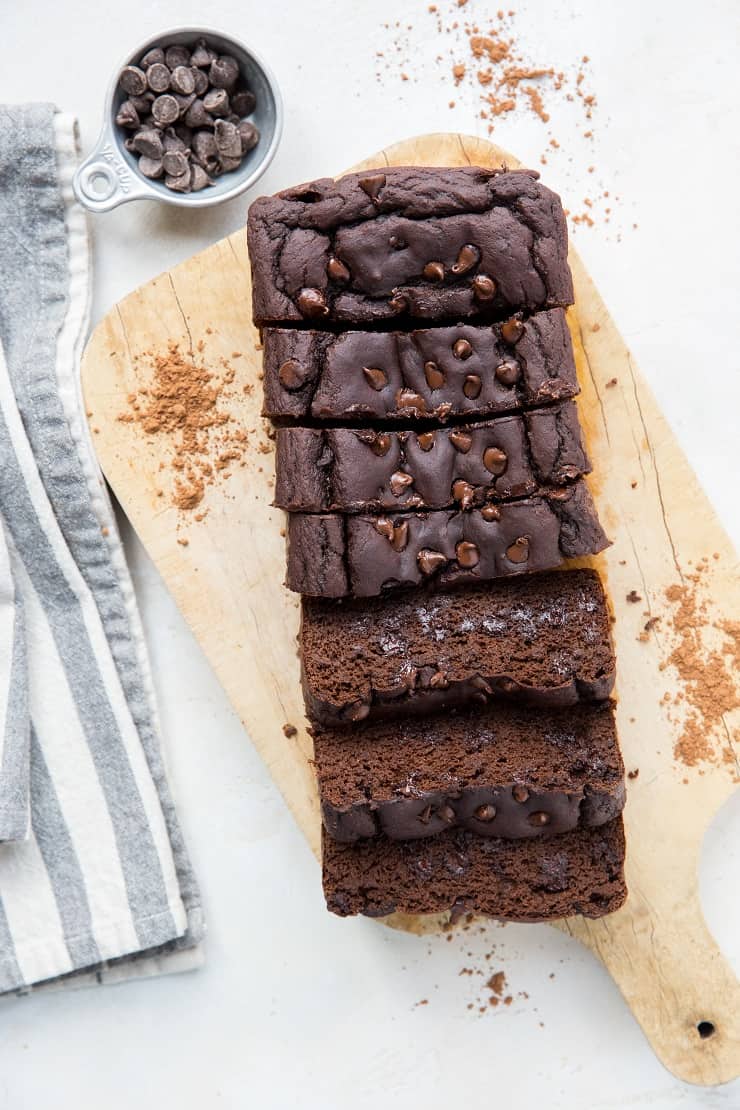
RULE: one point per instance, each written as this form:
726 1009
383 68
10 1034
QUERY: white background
296 1008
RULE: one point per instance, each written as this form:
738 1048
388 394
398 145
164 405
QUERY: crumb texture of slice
423 374
362 470
375 554
503 771
542 639
408 243
543 879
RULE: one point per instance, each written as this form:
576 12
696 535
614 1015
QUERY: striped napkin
95 881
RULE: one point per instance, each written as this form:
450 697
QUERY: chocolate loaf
409 243
542 639
429 373
361 470
540 879
501 771
360 555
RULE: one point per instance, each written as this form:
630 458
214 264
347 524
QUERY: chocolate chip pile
187 114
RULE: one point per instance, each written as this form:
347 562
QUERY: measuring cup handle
103 180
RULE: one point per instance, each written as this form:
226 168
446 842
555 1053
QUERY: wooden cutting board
670 551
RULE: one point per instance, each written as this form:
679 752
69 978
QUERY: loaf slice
359 470
335 555
409 243
501 771
540 879
542 639
430 373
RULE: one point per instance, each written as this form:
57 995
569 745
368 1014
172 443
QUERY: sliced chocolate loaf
542 639
501 771
334 555
429 373
540 879
408 242
361 470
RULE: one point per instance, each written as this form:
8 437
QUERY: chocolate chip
148 142
399 302
538 818
434 271
175 163
396 243
336 270
507 372
407 399
200 81
204 150
519 793
468 555
133 81
127 116
372 185
158 77
228 142
430 561
439 681
312 303
381 444
461 348
155 56
490 513
463 492
446 813
484 287
385 527
184 134
495 460
472 386
376 378
142 104
479 683
216 102
248 135
461 441
178 183
512 330
518 552
244 102
485 813
165 109
357 711
151 167
466 259
182 80
185 102
425 440
198 178
224 72
400 536
177 56
400 481
197 116
203 55
435 377
425 815
291 374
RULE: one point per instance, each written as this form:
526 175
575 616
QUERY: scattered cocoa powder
186 402
705 655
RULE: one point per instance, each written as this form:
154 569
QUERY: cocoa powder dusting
706 658
187 402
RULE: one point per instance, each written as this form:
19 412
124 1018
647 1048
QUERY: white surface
294 1007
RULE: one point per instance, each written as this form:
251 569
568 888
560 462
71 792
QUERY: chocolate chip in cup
185 114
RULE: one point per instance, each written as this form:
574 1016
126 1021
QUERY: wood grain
227 582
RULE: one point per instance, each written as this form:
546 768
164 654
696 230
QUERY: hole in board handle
705 1029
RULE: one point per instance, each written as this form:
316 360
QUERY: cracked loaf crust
409 243
542 639
363 470
540 879
429 373
501 771
333 555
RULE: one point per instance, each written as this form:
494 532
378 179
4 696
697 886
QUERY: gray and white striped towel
94 875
